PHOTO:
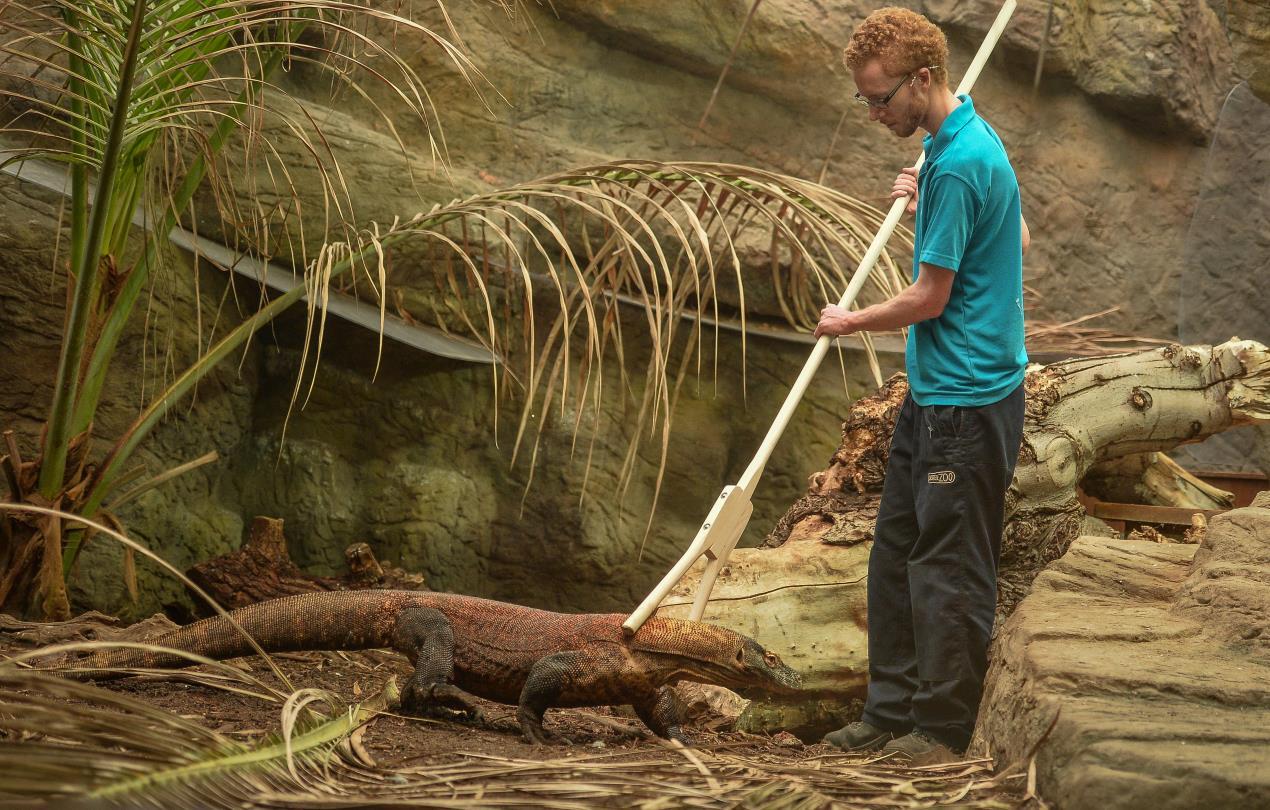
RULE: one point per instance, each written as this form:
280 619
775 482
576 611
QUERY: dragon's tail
331 620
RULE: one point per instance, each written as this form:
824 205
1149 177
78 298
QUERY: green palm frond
142 97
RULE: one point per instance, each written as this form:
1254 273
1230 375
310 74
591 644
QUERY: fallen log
803 591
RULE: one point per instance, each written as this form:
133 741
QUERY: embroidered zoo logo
942 477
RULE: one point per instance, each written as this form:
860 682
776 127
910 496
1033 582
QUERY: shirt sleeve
953 210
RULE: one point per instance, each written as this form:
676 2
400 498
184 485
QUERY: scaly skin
462 646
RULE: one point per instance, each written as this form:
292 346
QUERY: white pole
723 527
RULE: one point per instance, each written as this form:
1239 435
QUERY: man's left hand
835 320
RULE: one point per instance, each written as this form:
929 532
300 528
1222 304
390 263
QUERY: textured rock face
1228 240
1165 65
1249 24
1106 156
409 464
1228 589
1139 673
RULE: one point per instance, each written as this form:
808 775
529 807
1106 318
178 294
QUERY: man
932 569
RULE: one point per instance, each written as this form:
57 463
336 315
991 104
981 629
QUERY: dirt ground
602 757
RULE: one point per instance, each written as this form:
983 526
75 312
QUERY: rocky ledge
1137 674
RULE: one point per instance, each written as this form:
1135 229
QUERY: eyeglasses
881 105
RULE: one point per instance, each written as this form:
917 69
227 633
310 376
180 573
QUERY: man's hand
834 320
906 186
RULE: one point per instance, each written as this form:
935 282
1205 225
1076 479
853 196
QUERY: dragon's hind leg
424 635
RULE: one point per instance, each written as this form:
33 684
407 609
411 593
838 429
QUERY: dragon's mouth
772 684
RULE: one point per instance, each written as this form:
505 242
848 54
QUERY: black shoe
919 748
859 736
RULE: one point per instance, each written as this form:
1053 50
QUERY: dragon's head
707 653
762 670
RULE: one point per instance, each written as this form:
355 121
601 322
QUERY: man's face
906 109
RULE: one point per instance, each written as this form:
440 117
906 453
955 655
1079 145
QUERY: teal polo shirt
968 221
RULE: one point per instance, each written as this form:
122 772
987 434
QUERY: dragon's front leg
550 677
663 713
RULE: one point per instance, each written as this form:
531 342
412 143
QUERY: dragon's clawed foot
439 700
677 734
531 728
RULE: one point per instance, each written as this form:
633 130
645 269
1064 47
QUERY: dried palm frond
60 739
1074 337
572 263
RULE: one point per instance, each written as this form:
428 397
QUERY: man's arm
920 302
1027 235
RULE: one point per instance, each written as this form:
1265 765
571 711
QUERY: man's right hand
906 186
835 321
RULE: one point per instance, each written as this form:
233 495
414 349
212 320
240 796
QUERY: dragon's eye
771 659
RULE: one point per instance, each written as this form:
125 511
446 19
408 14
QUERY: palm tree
139 98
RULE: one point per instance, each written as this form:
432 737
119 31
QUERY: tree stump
262 569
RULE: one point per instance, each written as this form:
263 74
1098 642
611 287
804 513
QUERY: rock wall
409 464
412 461
1110 154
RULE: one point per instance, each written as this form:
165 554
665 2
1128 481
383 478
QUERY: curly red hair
904 40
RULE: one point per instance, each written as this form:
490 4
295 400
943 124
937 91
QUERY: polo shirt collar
961 115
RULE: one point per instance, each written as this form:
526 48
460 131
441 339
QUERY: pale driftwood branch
1153 478
1081 412
1091 410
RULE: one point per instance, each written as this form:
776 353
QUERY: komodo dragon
462 646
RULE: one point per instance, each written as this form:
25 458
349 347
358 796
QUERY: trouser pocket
939 620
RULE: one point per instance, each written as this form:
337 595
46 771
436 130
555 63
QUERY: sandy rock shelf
1149 666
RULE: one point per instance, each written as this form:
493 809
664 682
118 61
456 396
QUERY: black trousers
932 585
